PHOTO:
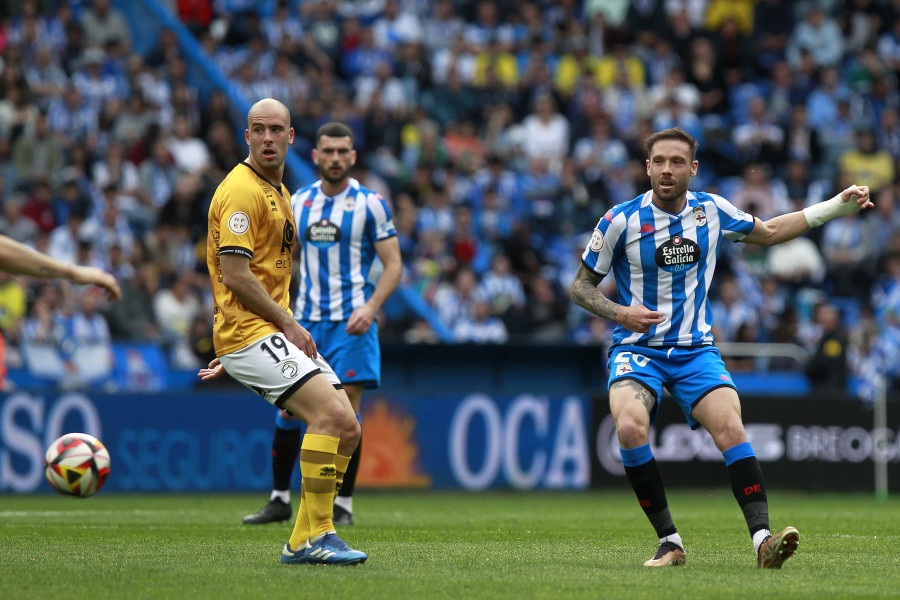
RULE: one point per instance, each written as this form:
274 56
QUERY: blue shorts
688 373
354 358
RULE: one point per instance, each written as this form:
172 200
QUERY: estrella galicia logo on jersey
287 237
323 233
289 369
677 254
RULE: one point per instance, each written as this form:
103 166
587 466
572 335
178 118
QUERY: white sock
345 502
674 538
310 541
758 538
283 495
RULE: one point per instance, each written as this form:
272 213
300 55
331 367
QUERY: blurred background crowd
500 131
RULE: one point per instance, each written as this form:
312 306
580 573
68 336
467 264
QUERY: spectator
455 302
72 117
86 341
819 35
189 153
848 256
758 195
827 367
16 225
503 291
546 133
797 263
545 312
175 308
865 162
760 139
104 23
730 311
483 328
37 154
13 306
39 207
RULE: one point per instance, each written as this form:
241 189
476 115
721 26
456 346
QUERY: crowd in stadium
500 131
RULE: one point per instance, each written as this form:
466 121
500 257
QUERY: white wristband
821 213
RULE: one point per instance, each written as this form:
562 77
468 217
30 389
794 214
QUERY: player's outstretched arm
787 227
19 259
586 295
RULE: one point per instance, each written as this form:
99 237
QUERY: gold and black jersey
251 217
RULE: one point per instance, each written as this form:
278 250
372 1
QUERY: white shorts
275 368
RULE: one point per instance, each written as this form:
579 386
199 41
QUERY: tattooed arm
586 295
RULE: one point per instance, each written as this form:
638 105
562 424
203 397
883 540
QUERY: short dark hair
673 133
334 129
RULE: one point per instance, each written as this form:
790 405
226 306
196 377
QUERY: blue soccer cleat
292 557
329 549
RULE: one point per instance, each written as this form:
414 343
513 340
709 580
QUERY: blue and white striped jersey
666 262
337 238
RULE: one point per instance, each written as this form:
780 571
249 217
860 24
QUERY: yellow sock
301 524
317 465
340 463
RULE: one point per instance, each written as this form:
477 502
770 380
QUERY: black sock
750 492
285 448
647 483
350 475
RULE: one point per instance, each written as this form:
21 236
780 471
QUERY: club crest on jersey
596 240
349 203
323 233
677 254
239 222
699 216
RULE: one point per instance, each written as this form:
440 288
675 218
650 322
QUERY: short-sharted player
257 340
661 248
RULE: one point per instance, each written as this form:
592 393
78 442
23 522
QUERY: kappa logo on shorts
289 369
239 222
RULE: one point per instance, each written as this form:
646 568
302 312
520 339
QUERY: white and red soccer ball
77 464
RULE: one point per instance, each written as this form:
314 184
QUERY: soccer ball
77 464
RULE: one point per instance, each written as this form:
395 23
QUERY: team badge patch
596 240
289 369
699 216
239 222
623 368
349 204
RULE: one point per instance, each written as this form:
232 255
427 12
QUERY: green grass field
469 546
